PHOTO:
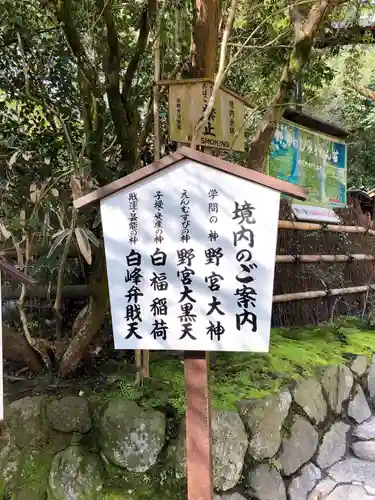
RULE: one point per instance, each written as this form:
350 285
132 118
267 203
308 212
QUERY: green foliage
56 122
33 474
341 102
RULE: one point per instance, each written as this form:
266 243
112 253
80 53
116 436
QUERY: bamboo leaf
4 231
91 236
27 155
22 218
63 231
13 158
76 188
57 122
59 238
97 220
34 193
84 244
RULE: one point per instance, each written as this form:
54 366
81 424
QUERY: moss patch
31 475
294 353
155 484
126 495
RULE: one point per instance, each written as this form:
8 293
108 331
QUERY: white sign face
190 257
315 214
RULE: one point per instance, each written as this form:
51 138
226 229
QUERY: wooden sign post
198 426
15 275
190 244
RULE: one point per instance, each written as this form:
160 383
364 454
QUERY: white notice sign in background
190 259
315 213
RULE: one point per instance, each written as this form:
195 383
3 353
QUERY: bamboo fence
323 270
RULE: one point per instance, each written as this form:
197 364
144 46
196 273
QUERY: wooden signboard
193 267
190 245
226 126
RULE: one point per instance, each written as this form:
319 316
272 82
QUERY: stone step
366 430
349 492
354 471
348 479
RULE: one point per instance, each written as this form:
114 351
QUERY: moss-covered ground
294 353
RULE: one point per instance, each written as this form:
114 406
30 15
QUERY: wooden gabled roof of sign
314 123
205 159
190 81
15 274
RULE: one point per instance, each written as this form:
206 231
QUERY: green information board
312 160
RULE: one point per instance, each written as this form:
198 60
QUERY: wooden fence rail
289 259
289 297
82 291
307 226
45 292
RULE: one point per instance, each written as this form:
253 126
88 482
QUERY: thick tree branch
112 71
64 16
348 36
363 91
146 20
46 106
93 114
306 29
89 320
93 107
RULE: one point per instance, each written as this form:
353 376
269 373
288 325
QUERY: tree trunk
206 31
88 321
16 348
206 37
305 29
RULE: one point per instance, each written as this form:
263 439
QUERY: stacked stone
315 442
312 441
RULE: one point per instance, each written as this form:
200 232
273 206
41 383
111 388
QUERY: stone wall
314 440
